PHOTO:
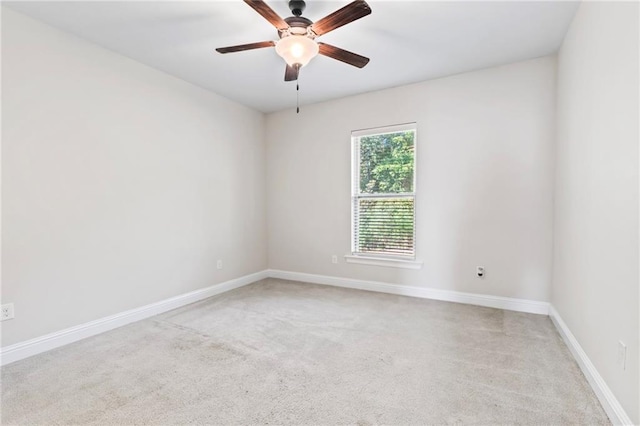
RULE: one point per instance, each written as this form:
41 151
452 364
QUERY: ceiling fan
297 43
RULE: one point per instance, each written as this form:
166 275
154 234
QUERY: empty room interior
321 212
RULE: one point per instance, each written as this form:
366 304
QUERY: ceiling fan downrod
297 7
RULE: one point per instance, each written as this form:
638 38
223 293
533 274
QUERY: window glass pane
385 225
386 163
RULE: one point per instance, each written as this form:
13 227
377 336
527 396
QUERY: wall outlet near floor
622 355
219 264
334 259
480 271
6 312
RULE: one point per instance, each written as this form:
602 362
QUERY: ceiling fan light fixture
297 49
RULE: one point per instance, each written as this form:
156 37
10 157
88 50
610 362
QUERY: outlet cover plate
6 312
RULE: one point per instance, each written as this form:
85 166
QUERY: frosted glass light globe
297 49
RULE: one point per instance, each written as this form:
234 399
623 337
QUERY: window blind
384 225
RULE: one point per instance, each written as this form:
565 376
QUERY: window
383 192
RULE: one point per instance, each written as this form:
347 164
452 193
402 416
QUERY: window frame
381 259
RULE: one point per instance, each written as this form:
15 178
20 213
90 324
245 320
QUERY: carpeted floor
279 352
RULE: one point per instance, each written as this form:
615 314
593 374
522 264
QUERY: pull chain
297 67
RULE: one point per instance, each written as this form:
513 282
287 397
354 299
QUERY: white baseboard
45 343
609 402
520 305
54 340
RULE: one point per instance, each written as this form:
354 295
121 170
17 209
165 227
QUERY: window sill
383 261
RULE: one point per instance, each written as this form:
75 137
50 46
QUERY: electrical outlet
334 259
219 264
622 355
480 271
6 312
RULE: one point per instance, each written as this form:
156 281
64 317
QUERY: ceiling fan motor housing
297 25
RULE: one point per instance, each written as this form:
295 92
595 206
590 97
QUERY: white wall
595 274
485 155
121 185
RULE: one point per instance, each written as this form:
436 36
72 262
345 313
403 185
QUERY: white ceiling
407 41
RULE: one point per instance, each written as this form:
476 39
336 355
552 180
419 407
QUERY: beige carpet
279 352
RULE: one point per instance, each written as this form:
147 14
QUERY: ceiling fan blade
291 73
351 12
241 47
267 13
343 55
